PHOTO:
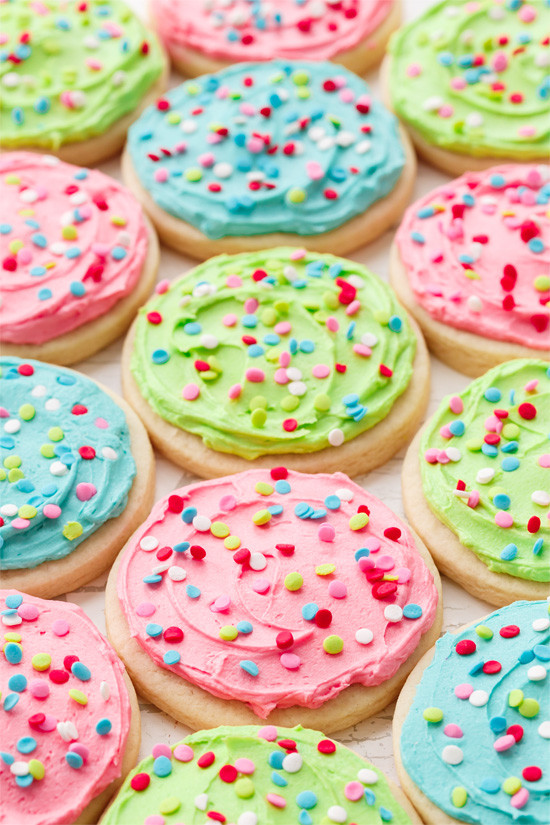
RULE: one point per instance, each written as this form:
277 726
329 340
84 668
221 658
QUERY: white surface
371 738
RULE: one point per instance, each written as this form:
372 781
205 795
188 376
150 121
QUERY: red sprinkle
460 485
25 369
162 104
58 677
140 781
164 553
206 759
533 525
532 773
385 371
284 639
87 452
323 618
383 590
278 473
363 509
465 647
393 533
9 263
228 773
540 321
516 731
175 504
285 549
154 317
527 411
492 666
509 631
329 86
326 746
289 425
69 661
173 635
341 367
197 552
79 409
36 720
259 275
242 555
287 744
216 815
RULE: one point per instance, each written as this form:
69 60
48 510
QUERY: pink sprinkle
362 350
276 800
526 131
269 733
314 170
191 391
534 179
493 424
280 376
464 691
282 328
320 371
101 424
4 413
233 281
85 491
161 750
24 256
28 612
39 689
298 254
49 724
340 81
60 627
228 502
453 731
180 147
245 765
261 586
442 457
446 111
290 661
385 562
414 69
353 308
326 532
162 286
285 359
154 819
247 109
354 791
207 159
221 604
503 519
222 92
161 175
445 432
473 499
520 799
51 510
255 145
403 575
337 589
500 61
234 391
251 305
346 96
456 405
81 750
431 455
366 563
332 323
544 460
145 609
255 375
229 320
504 743
183 753
527 14
20 523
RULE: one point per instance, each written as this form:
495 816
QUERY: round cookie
471 726
310 358
71 492
274 595
209 36
251 775
78 258
471 263
74 76
470 82
476 484
263 154
70 722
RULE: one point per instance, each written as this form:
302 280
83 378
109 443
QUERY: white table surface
371 738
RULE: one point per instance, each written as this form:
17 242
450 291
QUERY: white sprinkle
344 494
188 126
9 510
363 146
474 303
12 425
478 698
326 143
297 388
10 80
336 437
209 341
537 673
541 624
202 523
124 238
485 475
293 373
432 104
104 691
67 731
369 339
474 120
177 574
541 497
316 133
257 561
452 754
345 139
57 468
367 776
28 195
52 404
160 568
364 636
119 79
19 768
39 391
78 198
108 452
453 454
393 613
337 814
201 801
247 818
223 170
544 729
11 620
292 762
149 543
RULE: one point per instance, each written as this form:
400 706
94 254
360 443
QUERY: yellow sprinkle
78 696
69 233
358 521
72 530
219 529
41 661
26 511
263 488
15 246
12 637
15 475
228 632
325 569
36 769
261 517
117 220
232 542
169 805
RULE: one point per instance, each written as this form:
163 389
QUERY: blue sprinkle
321 513
103 727
5 228
249 667
279 780
477 668
181 547
10 700
542 652
498 724
457 427
489 450
272 339
333 502
525 657
350 400
412 611
42 105
306 345
7 758
153 629
395 323
8 443
38 271
192 328
160 356
154 578
370 796
385 814
492 394
509 552
282 486
502 501
350 330
275 759
81 672
14 600
171 657
490 784
511 447
537 547
77 289
255 350
249 321
189 514
536 245
275 509
27 744
39 240
24 781
162 766
66 380
192 591
309 611
293 346
73 252
244 627
307 800
498 181
44 294
510 463
425 212
418 237
302 509
363 552
17 683
13 653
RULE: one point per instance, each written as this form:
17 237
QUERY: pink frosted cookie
78 258
471 263
70 721
208 35
272 594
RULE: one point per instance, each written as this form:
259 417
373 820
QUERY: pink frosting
296 670
504 242
58 629
312 30
51 284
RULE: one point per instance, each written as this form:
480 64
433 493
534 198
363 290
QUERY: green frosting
309 788
509 527
69 70
474 77
273 352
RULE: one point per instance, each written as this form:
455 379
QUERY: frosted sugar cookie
273 595
277 357
470 82
78 258
471 726
208 36
76 475
70 721
471 263
476 484
261 154
251 775
74 75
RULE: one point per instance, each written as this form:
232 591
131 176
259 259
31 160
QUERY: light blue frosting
483 769
324 126
53 392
